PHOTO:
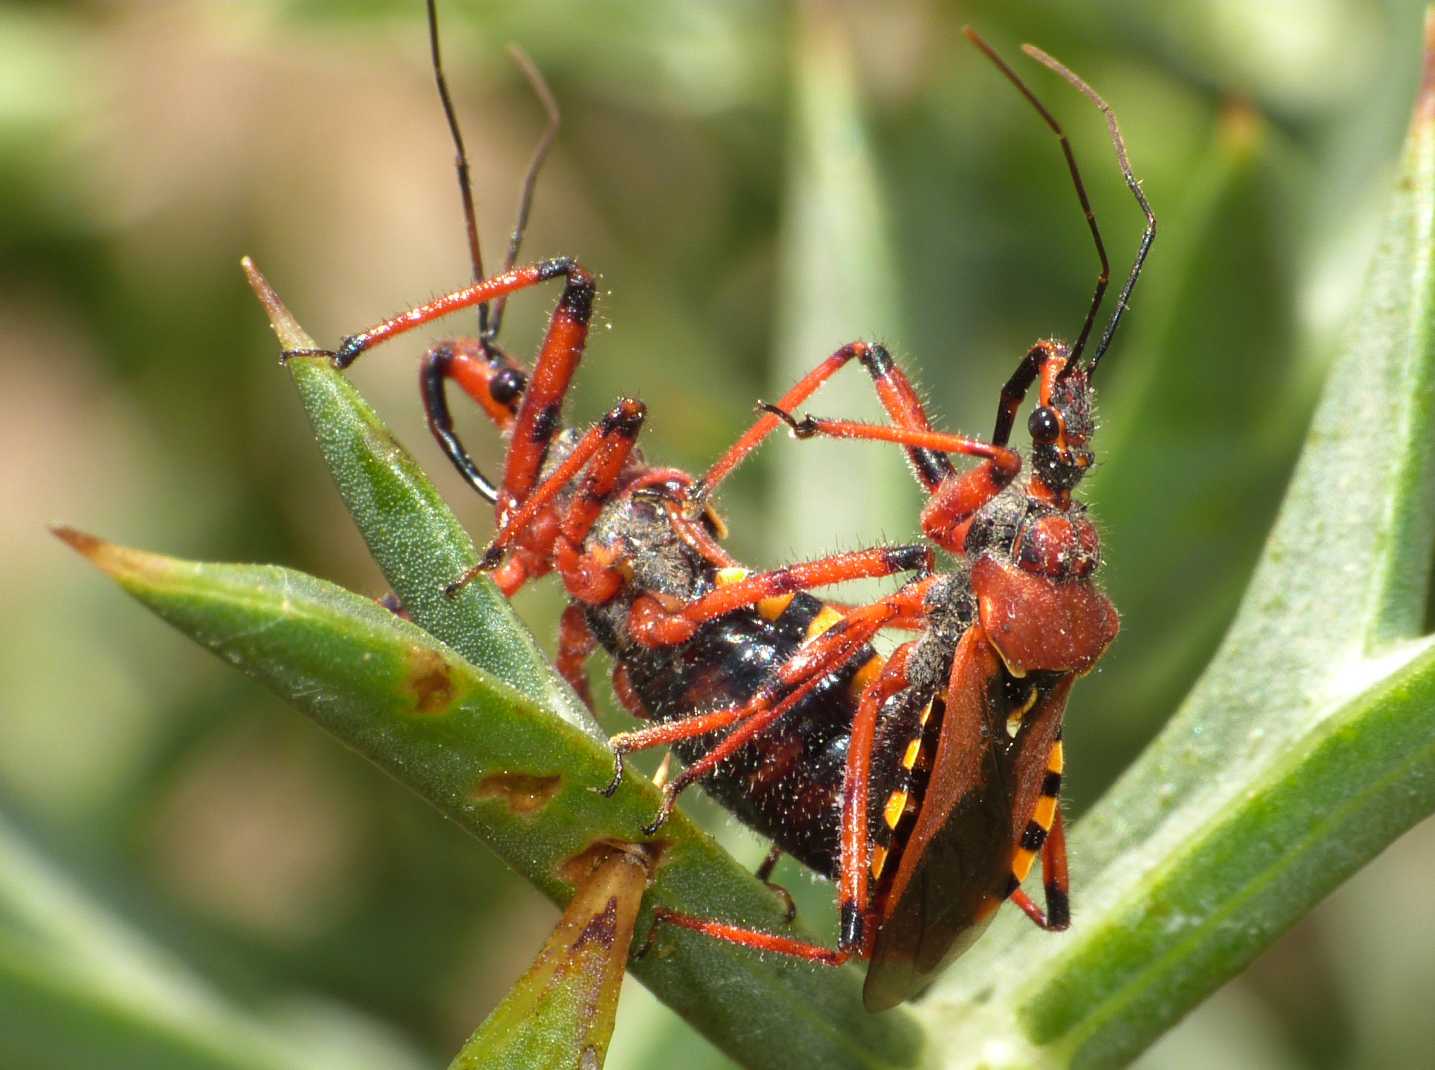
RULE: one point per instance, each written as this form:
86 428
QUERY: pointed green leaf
411 532
520 778
560 1013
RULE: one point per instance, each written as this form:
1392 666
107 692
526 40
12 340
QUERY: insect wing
957 868
954 864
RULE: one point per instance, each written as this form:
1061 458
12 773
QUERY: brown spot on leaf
430 681
579 867
523 793
602 928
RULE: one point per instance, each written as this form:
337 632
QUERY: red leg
894 390
575 644
855 931
1005 459
753 938
815 660
537 418
1056 882
948 512
1044 832
489 378
804 670
608 447
653 625
628 695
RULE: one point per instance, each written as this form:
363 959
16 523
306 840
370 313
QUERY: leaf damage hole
430 681
579 867
522 793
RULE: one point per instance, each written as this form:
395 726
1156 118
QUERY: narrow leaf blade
561 1012
521 779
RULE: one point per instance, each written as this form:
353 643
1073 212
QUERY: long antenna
1104 277
1123 300
530 178
465 186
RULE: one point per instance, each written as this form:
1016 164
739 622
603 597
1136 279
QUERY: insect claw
789 905
609 789
348 351
664 812
804 428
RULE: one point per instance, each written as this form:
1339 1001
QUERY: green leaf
561 1012
520 778
1306 747
78 987
838 269
411 532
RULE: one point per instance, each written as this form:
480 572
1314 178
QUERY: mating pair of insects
925 782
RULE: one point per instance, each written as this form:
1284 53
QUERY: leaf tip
291 336
82 542
118 562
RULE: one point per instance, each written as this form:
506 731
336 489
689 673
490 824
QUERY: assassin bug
973 705
800 723
687 629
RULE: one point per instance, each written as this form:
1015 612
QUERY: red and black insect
776 700
958 733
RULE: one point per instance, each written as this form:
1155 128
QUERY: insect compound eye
506 385
1044 425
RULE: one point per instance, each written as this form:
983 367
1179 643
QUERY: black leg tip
348 351
651 829
610 789
803 428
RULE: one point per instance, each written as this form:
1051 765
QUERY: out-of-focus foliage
143 148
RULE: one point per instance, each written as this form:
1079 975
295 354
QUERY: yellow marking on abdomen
1014 719
896 805
879 859
1056 761
1021 863
726 577
864 676
822 622
774 607
909 757
1045 812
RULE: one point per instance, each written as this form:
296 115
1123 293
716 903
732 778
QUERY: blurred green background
757 184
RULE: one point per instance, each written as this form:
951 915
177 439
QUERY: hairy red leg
894 390
805 669
654 625
575 643
604 449
946 516
853 899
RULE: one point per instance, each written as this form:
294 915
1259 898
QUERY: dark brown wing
955 869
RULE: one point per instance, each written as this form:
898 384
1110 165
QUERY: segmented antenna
490 323
1104 277
1123 300
535 164
465 185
